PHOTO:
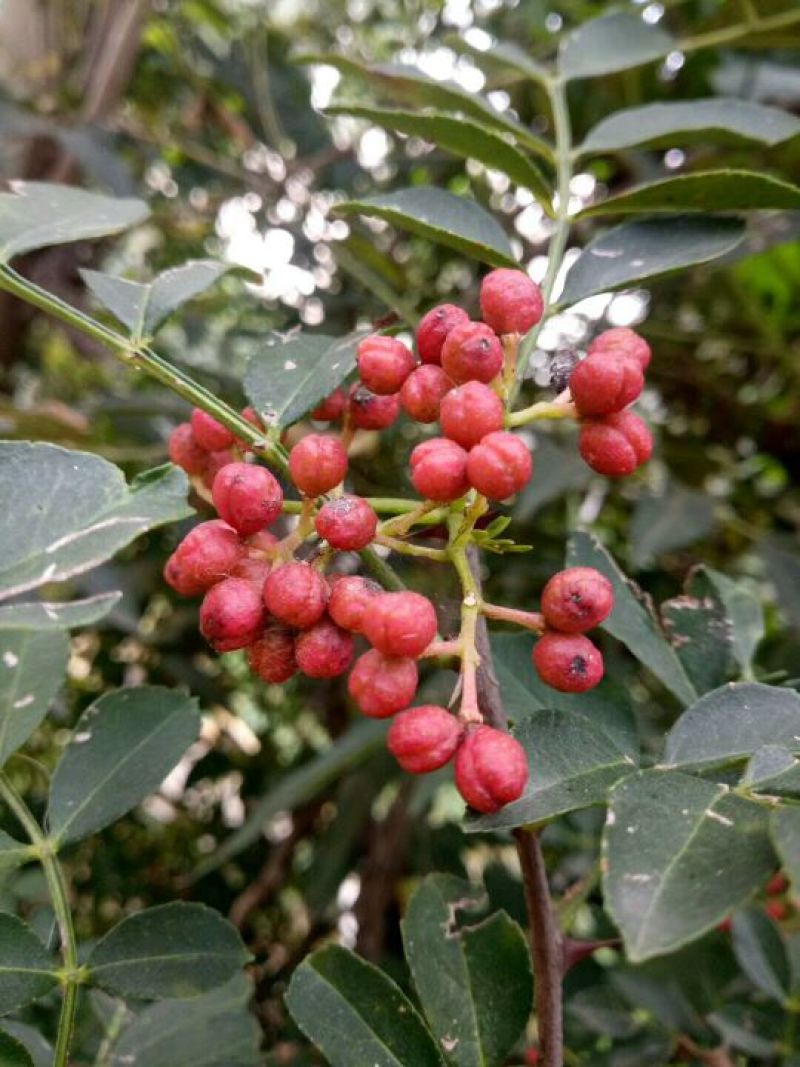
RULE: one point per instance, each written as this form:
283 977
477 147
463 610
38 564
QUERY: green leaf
42 616
464 137
502 57
674 519
175 950
27 971
13 853
474 981
701 632
454 221
745 614
633 621
630 253
711 190
32 668
142 307
73 510
732 723
773 770
753 1029
12 1053
558 471
784 570
291 376
714 121
355 1014
680 853
206 1031
611 43
123 747
761 952
37 214
573 764
785 828
40 1050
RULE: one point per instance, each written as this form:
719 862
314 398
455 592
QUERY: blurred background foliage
201 106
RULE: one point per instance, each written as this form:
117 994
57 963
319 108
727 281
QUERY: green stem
545 409
729 34
57 888
408 548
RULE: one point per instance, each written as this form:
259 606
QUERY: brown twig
712 1057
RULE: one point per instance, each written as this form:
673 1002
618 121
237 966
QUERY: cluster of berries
260 595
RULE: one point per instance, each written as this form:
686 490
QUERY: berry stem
406 548
401 524
544 409
442 648
461 529
529 620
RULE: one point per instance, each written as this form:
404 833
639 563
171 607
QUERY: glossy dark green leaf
731 723
680 853
32 668
717 120
12 1053
786 837
473 979
701 632
783 567
175 950
635 251
745 613
289 377
142 307
633 621
38 1048
73 510
454 221
122 748
773 770
27 970
38 214
712 190
676 518
464 137
42 616
355 1014
611 43
206 1031
761 952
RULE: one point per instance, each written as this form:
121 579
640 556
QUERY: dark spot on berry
561 367
578 667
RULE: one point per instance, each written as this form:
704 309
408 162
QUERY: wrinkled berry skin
491 769
368 411
439 470
615 445
499 466
511 302
271 657
351 596
185 451
255 571
318 463
347 523
424 738
296 595
433 329
231 615
423 391
247 497
603 384
175 575
331 408
384 363
569 663
324 651
577 599
621 341
209 433
207 554
400 624
382 685
472 353
470 412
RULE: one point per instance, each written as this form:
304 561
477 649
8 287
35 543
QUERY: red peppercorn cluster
573 601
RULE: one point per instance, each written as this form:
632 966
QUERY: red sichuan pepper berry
511 302
384 363
318 463
382 685
615 445
500 465
603 384
569 663
176 577
622 341
400 624
271 657
231 615
209 433
424 738
351 596
296 594
247 497
185 451
347 523
368 411
472 352
216 461
491 769
255 571
577 599
433 329
470 412
208 553
324 651
423 391
439 470
331 408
